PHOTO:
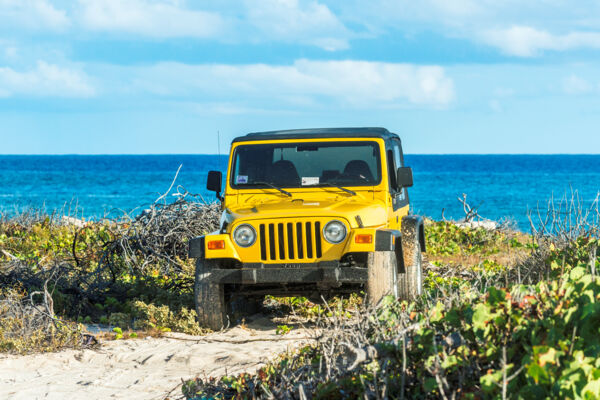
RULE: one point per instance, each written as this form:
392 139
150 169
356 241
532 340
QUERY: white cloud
358 84
496 106
32 15
154 18
525 41
576 85
457 8
11 52
524 29
308 22
45 80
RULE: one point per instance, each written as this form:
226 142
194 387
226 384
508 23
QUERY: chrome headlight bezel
236 231
343 229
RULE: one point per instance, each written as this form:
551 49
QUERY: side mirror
214 182
404 177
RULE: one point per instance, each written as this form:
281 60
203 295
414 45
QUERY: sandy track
143 368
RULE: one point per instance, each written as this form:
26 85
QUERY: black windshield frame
375 145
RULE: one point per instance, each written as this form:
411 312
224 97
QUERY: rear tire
211 307
410 282
383 276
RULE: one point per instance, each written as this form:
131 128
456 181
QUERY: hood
372 213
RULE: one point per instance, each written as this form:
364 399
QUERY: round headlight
244 235
334 232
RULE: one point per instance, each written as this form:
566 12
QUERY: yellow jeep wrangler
312 212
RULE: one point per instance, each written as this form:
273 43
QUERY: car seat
359 169
284 173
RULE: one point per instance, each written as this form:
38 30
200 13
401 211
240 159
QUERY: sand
150 368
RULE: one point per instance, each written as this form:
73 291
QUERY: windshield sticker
241 179
310 180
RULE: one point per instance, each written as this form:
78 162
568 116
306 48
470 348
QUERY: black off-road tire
410 281
383 276
210 299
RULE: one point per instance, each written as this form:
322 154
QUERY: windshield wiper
274 187
352 192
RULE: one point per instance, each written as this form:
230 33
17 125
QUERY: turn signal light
216 245
363 239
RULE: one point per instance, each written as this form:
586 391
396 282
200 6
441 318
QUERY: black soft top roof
318 133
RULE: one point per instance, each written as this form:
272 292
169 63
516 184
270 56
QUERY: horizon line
227 154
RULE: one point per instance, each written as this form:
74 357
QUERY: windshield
295 165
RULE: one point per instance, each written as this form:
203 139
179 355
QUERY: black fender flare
196 247
413 226
390 240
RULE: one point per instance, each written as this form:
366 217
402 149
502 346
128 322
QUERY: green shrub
26 328
120 320
490 338
447 238
162 318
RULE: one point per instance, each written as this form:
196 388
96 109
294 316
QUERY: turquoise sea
503 186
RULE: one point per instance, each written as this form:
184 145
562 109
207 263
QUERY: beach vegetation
484 328
130 272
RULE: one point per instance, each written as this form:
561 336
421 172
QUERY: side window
391 170
398 155
399 161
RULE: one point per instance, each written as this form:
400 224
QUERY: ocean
502 186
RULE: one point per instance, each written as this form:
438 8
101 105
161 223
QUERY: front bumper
290 273
383 239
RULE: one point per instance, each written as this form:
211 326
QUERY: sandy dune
144 368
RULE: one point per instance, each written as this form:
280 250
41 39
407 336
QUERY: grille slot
318 239
290 237
272 241
290 241
299 240
309 244
263 242
281 241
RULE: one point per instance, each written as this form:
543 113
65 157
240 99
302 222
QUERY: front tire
209 297
383 276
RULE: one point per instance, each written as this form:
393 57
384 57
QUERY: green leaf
481 316
437 312
453 317
577 273
430 385
570 313
591 390
495 296
450 362
489 381
590 310
549 357
539 374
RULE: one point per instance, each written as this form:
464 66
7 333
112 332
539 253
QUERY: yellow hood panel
371 213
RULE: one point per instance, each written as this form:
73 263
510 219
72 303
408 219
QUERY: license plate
292 266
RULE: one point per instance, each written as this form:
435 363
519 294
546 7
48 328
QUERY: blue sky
164 76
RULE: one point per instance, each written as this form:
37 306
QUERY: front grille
290 241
